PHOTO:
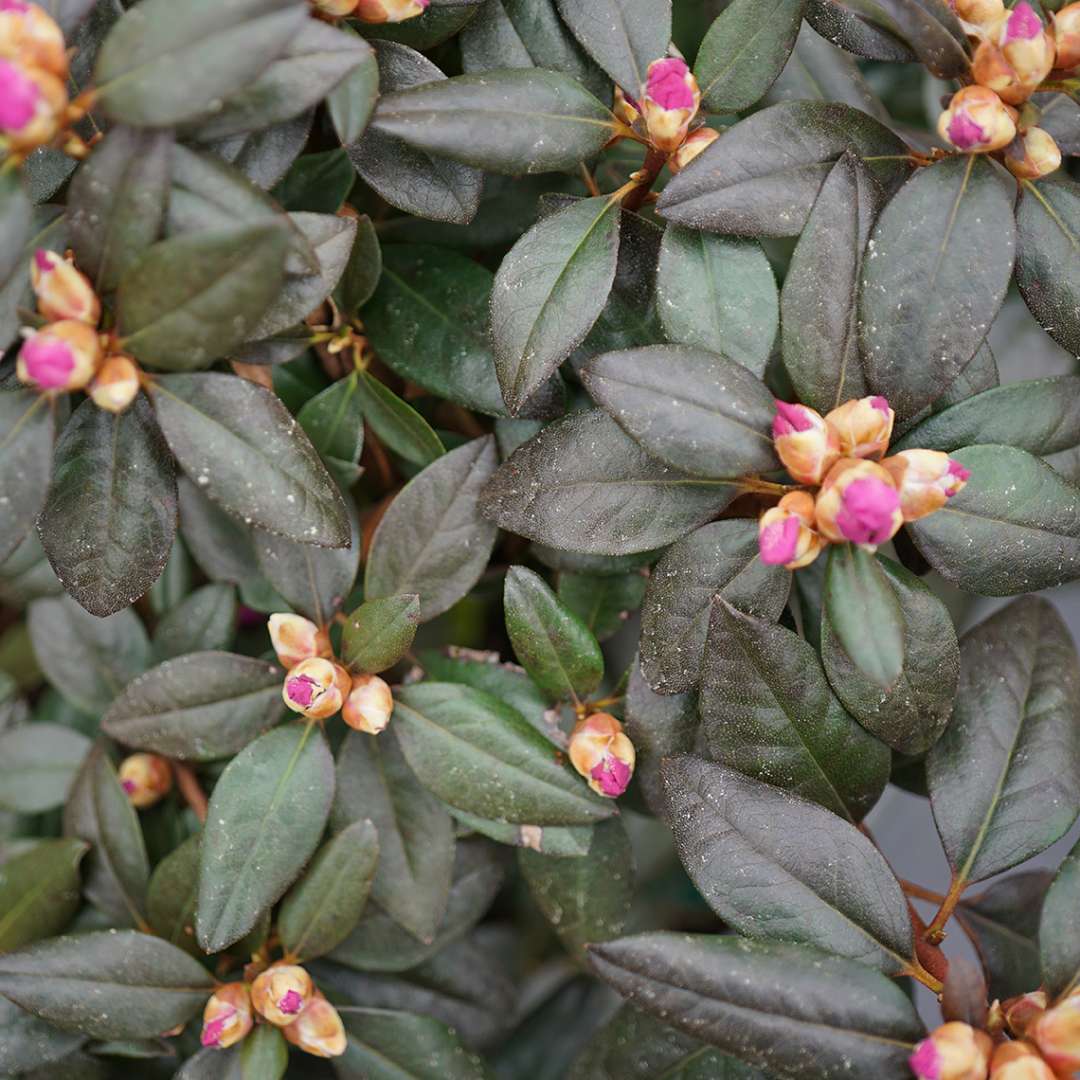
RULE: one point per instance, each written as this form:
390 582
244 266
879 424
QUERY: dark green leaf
264 1054
203 620
441 21
265 820
482 756
556 648
351 103
432 540
622 36
744 51
397 423
319 183
240 445
39 892
15 222
940 258
26 436
37 764
1059 932
1004 779
115 984
379 633
568 842
198 707
334 421
694 410
718 293
848 25
30 1043
265 156
930 29
602 602
172 896
222 547
798 1013
362 271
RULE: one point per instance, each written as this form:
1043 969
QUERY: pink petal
301 690
881 405
612 774
964 133
790 418
667 85
1023 24
291 1002
926 1061
868 510
19 97
777 542
48 362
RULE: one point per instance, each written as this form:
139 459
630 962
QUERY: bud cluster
371 11
1014 53
862 498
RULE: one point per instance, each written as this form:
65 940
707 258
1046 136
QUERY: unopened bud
1067 37
227 1016
32 37
978 16
1027 46
62 291
625 107
602 753
858 502
1020 1012
145 778
369 704
1019 1061
863 427
61 356
316 687
1033 154
925 480
669 101
977 121
295 638
281 992
318 1030
32 102
696 141
116 385
786 535
1057 1035
806 446
389 11
954 1051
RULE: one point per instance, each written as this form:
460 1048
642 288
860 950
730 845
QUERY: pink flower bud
858 503
318 1030
61 356
786 535
978 17
62 291
696 141
863 427
1033 154
925 480
602 753
806 446
295 638
316 688
669 101
977 121
1021 1011
31 104
145 778
953 1051
1019 1061
369 704
1067 37
116 384
389 11
1021 56
1057 1035
227 1016
280 993
31 37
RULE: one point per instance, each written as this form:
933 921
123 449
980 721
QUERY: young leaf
238 442
379 633
797 1013
397 423
264 1054
737 839
204 620
26 438
1059 934
432 540
334 421
558 651
362 271
482 756
351 103
142 985
172 896
1004 779
266 818
320 911
39 892
37 765
602 602
548 292
198 707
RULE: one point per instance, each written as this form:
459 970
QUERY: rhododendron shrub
493 494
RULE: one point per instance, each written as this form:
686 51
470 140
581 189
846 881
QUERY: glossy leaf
319 183
172 896
622 36
351 103
26 436
602 602
1059 942
39 892
363 270
37 765
397 423
204 620
264 1054
379 633
334 421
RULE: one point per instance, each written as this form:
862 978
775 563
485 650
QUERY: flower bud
1033 154
602 753
389 11
858 502
978 16
669 102
316 688
336 9
863 427
1067 36
61 356
1021 1011
116 384
806 446
295 638
1057 1035
62 291
1019 1061
227 1016
977 121
32 37
369 704
31 104
281 992
318 1030
1027 46
786 534
145 778
925 480
625 108
954 1051
696 141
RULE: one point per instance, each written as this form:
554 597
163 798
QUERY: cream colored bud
369 704
281 993
145 778
116 384
318 1030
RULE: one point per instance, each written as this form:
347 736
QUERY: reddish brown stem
654 162
189 787
935 932
919 893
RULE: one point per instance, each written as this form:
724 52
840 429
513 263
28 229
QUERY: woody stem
645 178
